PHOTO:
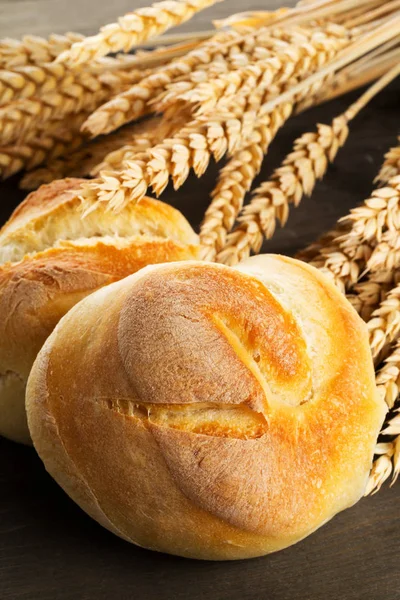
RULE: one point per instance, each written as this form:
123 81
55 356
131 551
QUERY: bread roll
50 258
208 411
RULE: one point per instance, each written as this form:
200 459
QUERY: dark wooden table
50 550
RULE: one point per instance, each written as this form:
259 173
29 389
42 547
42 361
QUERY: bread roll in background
50 258
208 411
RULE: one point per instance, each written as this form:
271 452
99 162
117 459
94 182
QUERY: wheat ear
313 250
298 53
296 177
361 246
34 50
17 118
133 28
393 428
135 102
33 80
192 147
106 152
234 181
46 142
388 461
375 224
152 132
229 63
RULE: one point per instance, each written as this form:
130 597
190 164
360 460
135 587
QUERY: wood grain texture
50 550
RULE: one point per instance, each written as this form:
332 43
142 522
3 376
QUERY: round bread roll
208 411
50 258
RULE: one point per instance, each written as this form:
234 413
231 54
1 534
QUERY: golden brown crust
223 413
52 258
43 200
53 213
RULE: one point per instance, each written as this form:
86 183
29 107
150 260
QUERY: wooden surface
50 550
41 17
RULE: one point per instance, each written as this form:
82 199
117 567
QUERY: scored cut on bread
209 411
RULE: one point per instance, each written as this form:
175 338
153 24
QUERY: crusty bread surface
208 411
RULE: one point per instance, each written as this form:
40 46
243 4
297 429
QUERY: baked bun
50 258
208 411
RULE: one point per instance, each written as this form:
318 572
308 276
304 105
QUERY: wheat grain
17 118
386 255
369 293
384 325
380 472
296 177
133 28
388 377
34 50
153 132
373 224
234 181
390 167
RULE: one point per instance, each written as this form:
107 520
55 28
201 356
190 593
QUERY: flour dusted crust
207 411
50 258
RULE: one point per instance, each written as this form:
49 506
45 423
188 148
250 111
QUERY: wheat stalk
235 180
132 29
17 118
390 167
34 50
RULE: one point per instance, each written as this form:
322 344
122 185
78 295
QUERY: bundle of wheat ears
156 115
